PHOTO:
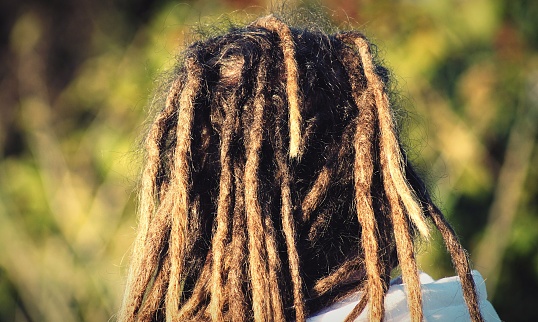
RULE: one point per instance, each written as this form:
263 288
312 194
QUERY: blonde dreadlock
275 184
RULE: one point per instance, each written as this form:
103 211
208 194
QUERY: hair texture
275 184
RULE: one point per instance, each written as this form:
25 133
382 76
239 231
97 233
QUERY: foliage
76 79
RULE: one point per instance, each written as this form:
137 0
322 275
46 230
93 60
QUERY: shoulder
442 301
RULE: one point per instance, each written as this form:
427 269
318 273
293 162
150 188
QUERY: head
275 184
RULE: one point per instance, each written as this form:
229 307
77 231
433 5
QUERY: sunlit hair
276 184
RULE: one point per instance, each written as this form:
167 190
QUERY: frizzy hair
275 184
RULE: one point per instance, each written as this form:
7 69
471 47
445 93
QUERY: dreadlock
275 184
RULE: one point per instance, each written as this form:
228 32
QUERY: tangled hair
276 184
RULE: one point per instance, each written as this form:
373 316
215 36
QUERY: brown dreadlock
275 184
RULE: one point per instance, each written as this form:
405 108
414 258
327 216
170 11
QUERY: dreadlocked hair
276 184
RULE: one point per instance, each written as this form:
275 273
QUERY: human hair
276 184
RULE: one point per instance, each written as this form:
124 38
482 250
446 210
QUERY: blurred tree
75 77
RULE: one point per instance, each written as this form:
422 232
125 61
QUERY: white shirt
442 301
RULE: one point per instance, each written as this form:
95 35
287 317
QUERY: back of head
275 184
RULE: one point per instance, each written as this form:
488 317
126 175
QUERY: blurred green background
76 78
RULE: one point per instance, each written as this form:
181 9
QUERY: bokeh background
76 78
